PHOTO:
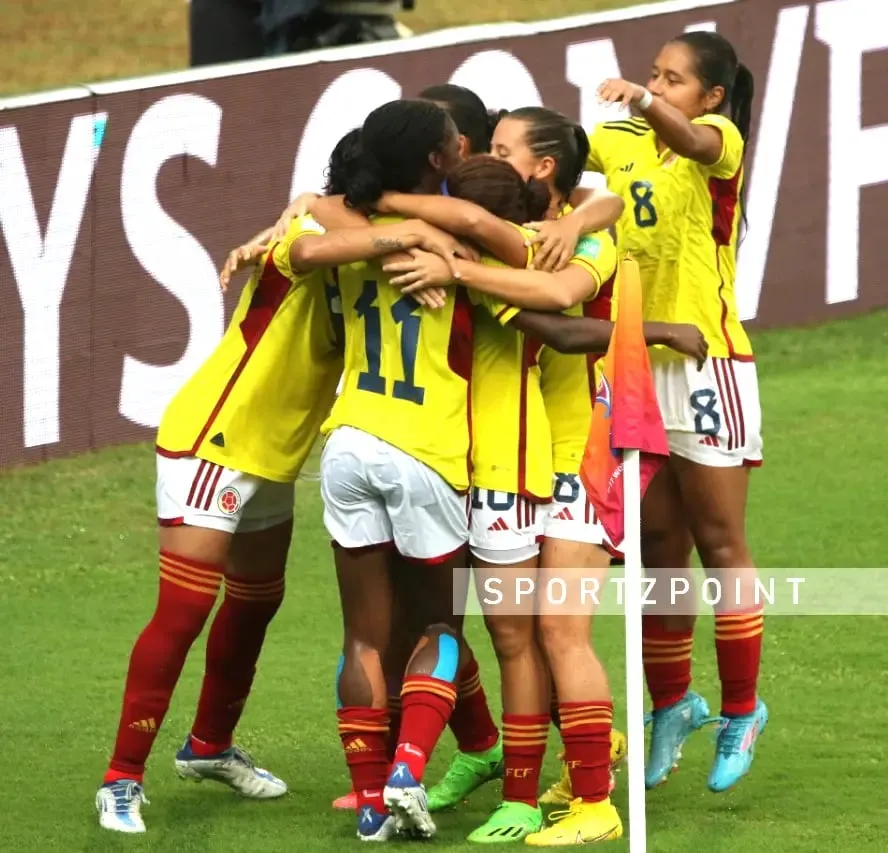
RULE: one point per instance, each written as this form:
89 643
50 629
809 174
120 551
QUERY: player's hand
432 297
299 207
556 239
621 92
688 340
241 257
424 270
442 244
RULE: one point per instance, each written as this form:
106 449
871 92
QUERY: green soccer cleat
468 771
510 822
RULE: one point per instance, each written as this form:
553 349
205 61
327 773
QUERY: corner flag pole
632 599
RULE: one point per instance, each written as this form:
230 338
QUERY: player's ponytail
363 181
398 141
742 95
537 199
336 174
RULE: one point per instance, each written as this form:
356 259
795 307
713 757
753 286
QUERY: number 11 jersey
407 375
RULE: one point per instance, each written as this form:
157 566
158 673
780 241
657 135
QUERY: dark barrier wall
118 203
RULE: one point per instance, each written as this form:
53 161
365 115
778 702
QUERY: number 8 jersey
680 223
407 376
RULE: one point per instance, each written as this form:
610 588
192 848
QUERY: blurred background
45 44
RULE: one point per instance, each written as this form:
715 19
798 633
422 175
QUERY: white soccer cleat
234 768
406 799
119 805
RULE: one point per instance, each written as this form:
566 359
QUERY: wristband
645 100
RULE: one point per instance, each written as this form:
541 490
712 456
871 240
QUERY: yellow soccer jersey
569 382
681 224
510 430
408 370
257 403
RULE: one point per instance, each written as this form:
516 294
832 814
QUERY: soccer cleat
735 747
347 802
373 826
119 805
509 822
468 771
234 768
672 726
560 793
406 799
581 823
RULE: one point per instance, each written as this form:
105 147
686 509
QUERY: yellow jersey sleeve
728 164
595 160
280 252
500 311
597 255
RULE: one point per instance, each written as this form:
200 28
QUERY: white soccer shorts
505 528
202 494
713 416
375 494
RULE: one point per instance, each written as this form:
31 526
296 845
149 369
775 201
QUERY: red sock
524 747
585 731
233 648
394 709
667 661
363 733
471 722
738 647
187 594
426 706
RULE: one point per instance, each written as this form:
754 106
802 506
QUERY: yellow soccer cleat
581 823
560 793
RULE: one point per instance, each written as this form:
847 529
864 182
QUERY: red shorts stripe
726 400
729 368
195 481
213 485
203 486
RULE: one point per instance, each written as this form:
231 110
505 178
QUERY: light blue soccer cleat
735 747
119 805
375 826
234 768
671 727
406 799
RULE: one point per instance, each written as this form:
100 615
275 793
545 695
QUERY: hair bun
537 197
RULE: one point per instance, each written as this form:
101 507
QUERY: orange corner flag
626 415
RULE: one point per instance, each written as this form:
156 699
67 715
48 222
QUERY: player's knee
561 637
511 637
665 548
720 547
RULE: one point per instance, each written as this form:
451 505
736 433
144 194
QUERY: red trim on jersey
725 195
267 298
752 463
460 349
171 522
598 308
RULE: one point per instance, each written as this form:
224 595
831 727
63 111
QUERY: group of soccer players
464 298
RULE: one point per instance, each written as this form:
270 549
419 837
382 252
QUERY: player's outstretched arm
464 219
594 210
699 142
574 335
532 289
